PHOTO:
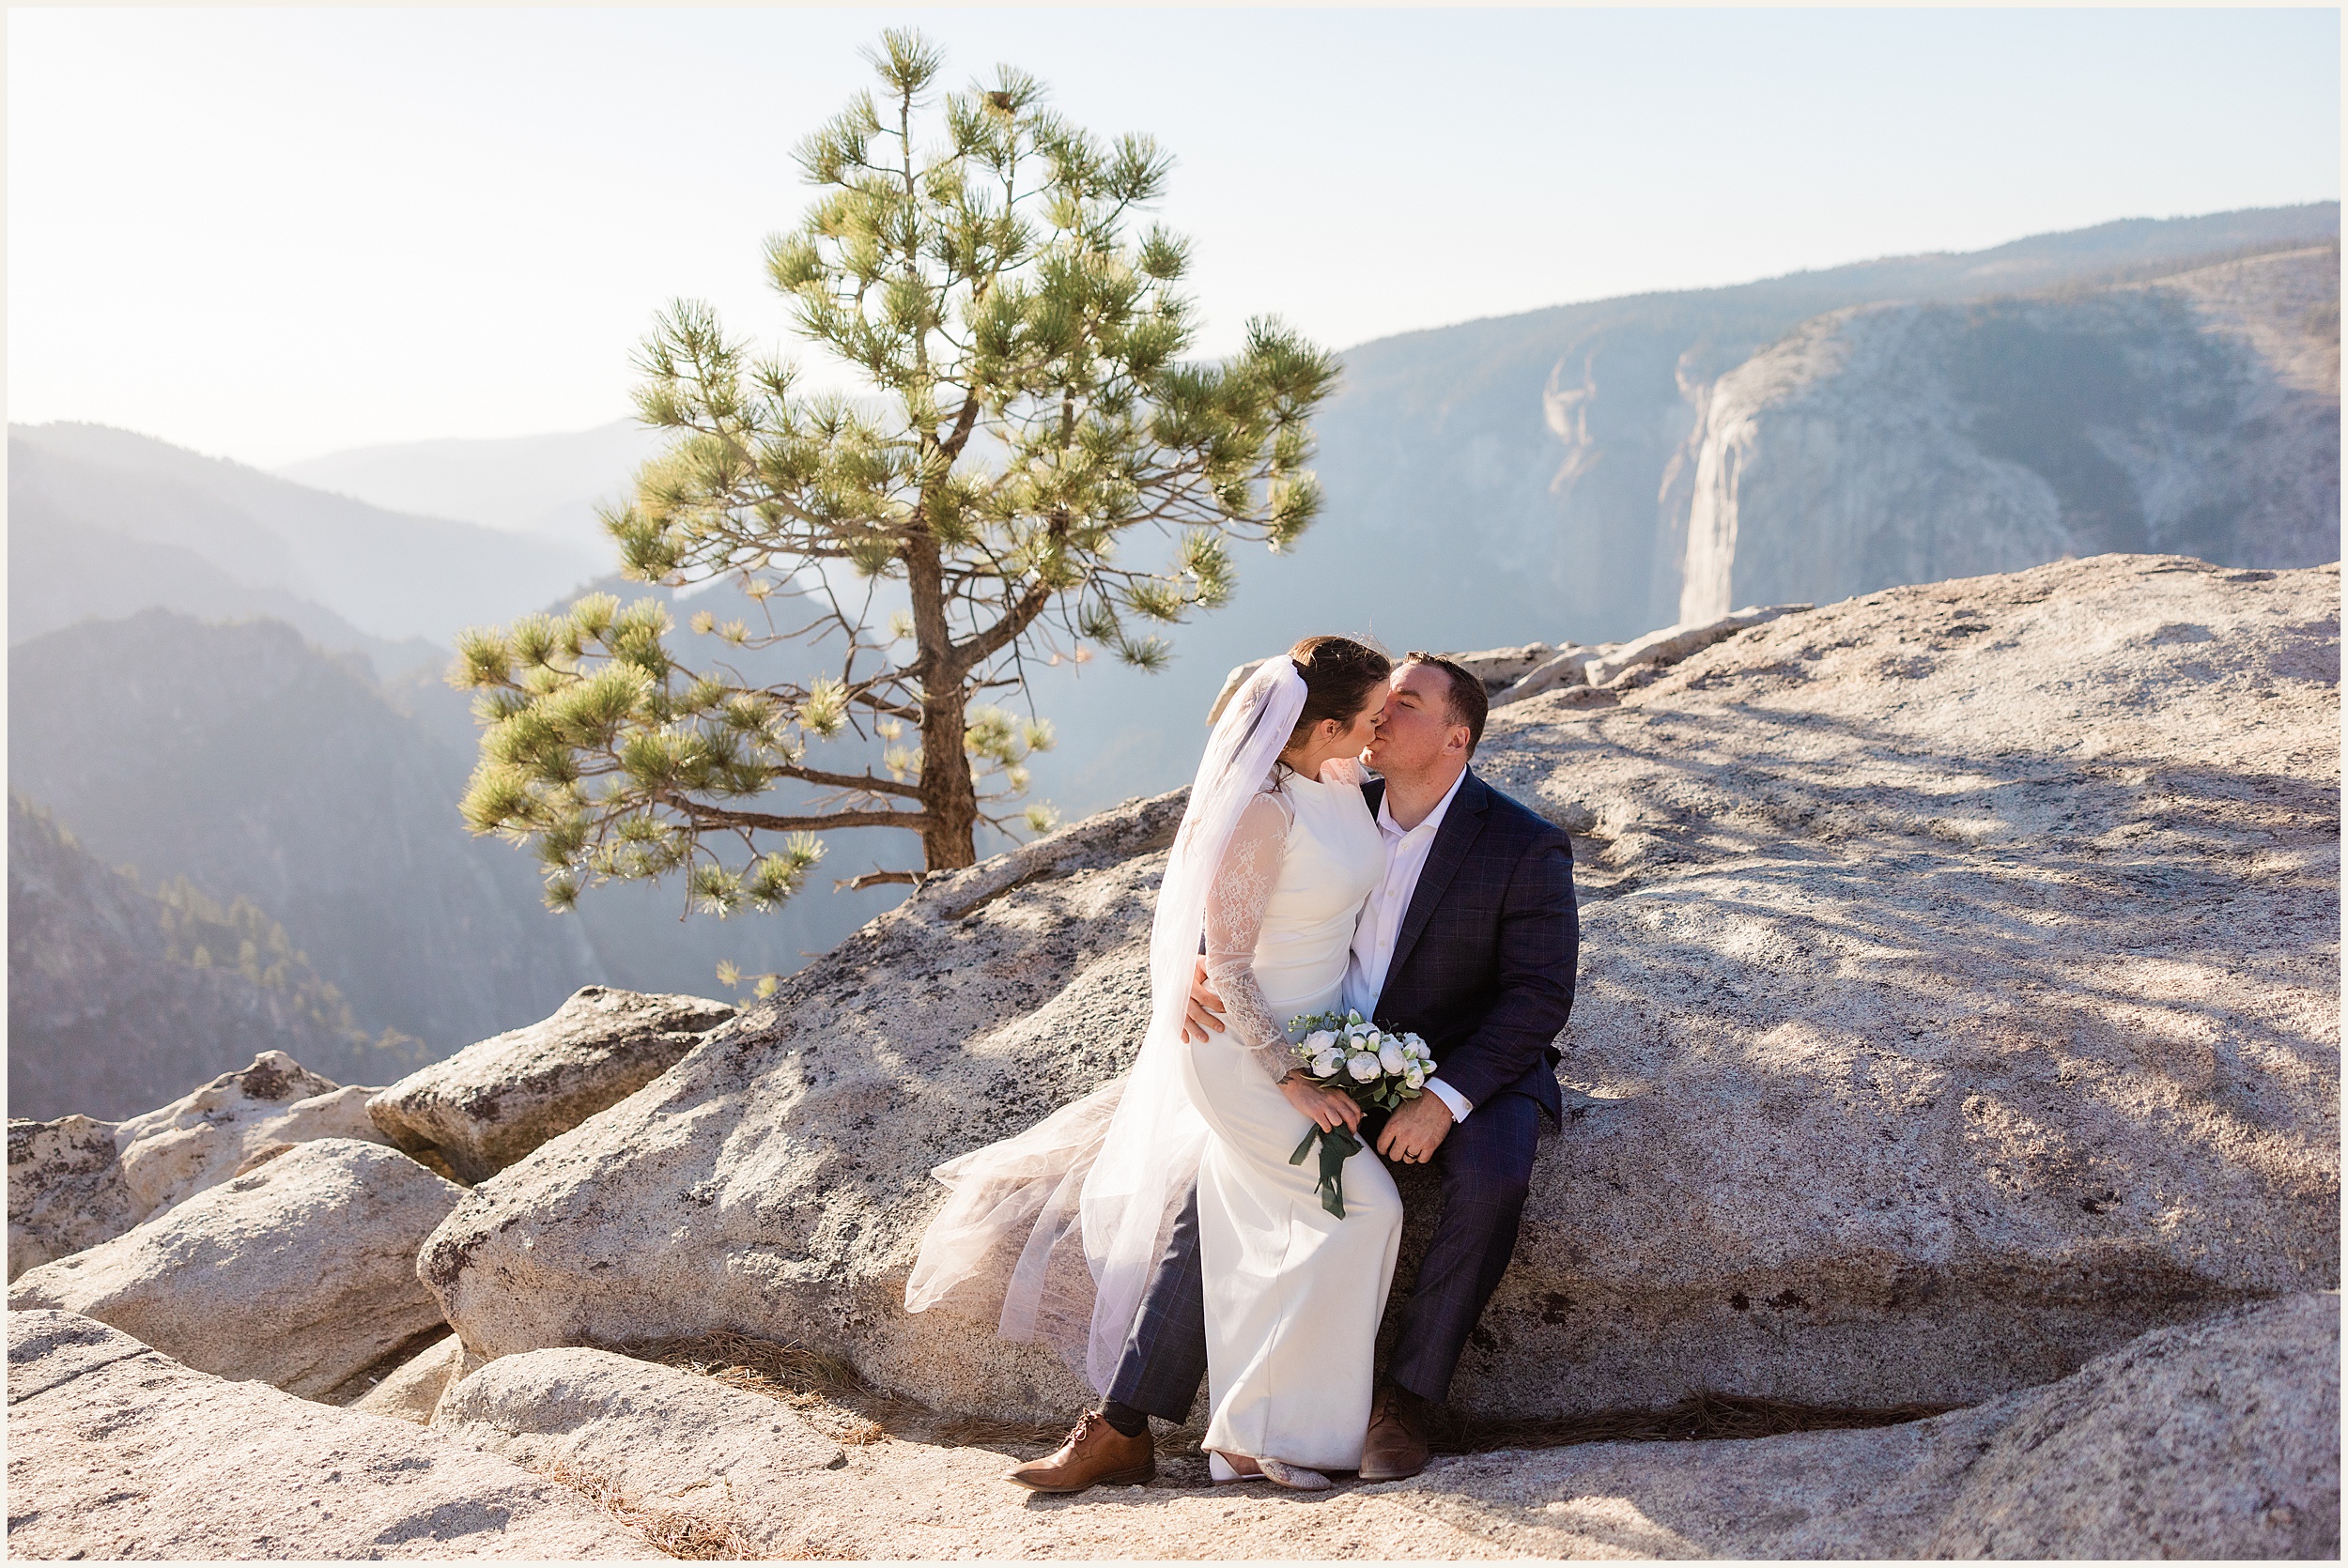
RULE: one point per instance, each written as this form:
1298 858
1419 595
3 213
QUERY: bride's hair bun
1339 674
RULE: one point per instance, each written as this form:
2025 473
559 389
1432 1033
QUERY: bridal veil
1096 1186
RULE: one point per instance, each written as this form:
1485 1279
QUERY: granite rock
1499 669
1959 1002
200 1140
1568 667
301 1273
116 1450
76 1182
66 1190
670 1441
2214 1440
412 1389
2217 1440
1669 646
481 1110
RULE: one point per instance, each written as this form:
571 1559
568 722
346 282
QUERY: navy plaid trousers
1484 968
1485 1166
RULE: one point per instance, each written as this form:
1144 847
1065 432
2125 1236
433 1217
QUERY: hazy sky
269 234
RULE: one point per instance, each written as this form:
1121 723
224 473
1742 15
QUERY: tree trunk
948 792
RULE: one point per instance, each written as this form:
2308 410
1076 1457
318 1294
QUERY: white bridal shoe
1296 1478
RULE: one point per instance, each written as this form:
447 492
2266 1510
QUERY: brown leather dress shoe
1396 1444
1095 1454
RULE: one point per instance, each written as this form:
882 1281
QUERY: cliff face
1535 475
1908 443
1537 471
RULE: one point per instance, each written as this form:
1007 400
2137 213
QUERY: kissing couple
1170 1220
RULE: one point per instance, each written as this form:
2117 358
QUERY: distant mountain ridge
1534 476
542 485
257 767
1545 451
1585 473
76 491
61 572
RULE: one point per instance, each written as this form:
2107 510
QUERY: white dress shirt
1381 920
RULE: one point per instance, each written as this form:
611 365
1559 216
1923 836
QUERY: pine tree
1033 428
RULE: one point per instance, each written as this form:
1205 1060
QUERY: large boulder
76 1182
66 1190
670 1441
301 1273
783 1171
206 1137
1958 1001
116 1450
484 1108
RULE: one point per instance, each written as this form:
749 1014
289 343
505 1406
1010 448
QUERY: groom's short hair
1468 702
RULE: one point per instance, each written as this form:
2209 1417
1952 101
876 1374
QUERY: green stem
1336 1147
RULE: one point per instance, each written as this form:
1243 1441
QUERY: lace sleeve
1243 886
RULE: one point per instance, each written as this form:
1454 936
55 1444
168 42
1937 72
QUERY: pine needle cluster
1040 467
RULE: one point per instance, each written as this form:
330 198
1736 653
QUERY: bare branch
713 816
866 782
875 879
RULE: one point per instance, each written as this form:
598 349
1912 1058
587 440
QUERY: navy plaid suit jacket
1483 964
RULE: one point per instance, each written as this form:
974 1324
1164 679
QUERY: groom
1470 940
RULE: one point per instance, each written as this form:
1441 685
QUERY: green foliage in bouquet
1033 422
1379 1068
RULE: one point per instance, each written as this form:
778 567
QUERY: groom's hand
1205 1008
1416 1130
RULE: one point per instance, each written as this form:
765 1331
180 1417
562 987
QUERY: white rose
1414 1078
1319 1041
1363 1065
1326 1063
1390 1058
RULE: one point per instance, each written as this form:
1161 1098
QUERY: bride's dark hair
1339 674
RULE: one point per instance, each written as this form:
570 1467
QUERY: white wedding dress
1064 1223
1293 1294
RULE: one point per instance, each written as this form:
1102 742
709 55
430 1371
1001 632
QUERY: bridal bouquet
1379 1068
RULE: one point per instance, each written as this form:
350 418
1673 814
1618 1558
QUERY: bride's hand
1325 1108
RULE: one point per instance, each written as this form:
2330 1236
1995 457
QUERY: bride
1276 853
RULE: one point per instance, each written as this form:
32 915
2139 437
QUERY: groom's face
1418 733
